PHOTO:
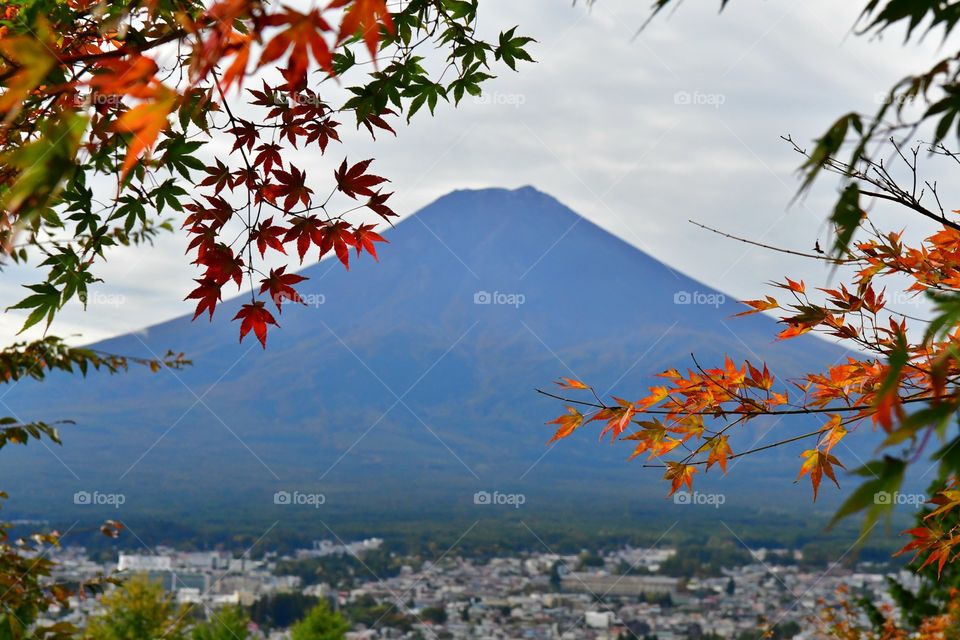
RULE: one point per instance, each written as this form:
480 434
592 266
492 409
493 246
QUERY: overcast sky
636 134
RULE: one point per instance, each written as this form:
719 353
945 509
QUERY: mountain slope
413 382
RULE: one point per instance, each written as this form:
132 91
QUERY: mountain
408 385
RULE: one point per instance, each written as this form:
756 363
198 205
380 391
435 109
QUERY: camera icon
682 297
883 497
482 297
281 497
82 497
682 497
482 497
681 97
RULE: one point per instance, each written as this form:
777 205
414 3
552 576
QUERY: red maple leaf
269 156
355 181
222 265
365 17
278 284
292 188
303 33
377 204
322 131
266 235
208 293
338 236
305 230
366 236
255 317
245 134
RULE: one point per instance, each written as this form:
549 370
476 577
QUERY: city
620 594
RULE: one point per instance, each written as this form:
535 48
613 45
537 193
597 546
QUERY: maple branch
737 412
793 252
744 453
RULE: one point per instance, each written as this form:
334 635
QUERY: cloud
638 134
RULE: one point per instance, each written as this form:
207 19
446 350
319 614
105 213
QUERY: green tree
138 610
320 624
226 624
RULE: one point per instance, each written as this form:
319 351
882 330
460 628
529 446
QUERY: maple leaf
376 203
321 132
834 432
570 383
255 317
366 236
653 439
679 474
208 293
266 235
618 418
719 453
375 120
222 265
365 17
278 284
145 122
339 237
269 156
305 230
303 34
567 424
218 177
758 306
246 135
818 463
292 188
355 181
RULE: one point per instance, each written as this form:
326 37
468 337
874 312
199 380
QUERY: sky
637 133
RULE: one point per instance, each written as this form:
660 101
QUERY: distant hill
412 385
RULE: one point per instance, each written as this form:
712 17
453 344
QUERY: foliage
343 569
138 610
115 117
367 611
320 624
280 610
224 624
28 591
